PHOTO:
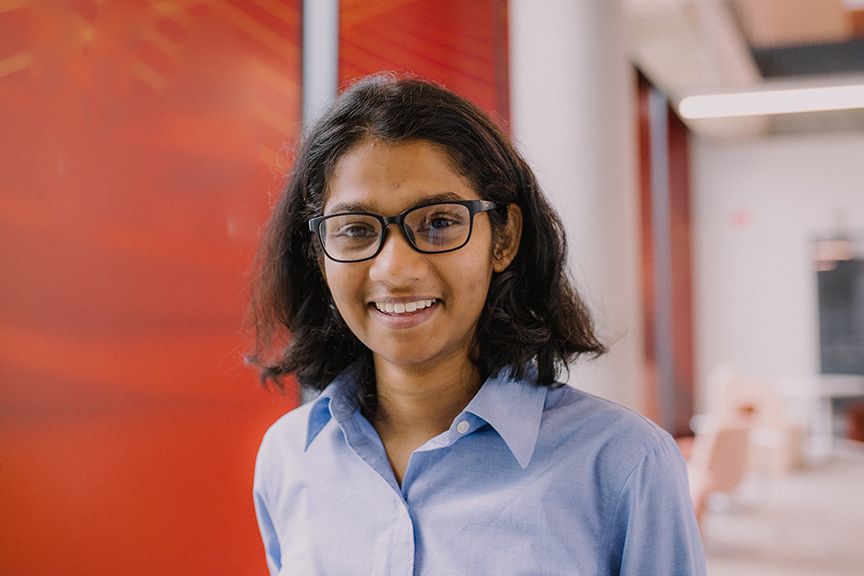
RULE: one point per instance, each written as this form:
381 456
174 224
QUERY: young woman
414 272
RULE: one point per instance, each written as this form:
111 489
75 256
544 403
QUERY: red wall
137 146
680 279
460 43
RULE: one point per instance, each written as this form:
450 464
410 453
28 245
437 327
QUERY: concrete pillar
573 116
320 56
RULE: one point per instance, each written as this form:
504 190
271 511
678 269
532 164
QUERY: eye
355 230
442 219
351 229
441 222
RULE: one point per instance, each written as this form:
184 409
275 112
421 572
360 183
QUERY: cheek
474 281
339 282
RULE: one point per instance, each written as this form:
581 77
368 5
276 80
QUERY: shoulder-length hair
532 315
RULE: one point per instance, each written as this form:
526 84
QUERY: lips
403 307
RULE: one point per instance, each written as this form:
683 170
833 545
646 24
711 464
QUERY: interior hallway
807 523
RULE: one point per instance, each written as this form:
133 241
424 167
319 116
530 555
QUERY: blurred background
142 144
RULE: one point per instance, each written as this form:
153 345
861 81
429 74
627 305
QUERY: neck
417 404
414 400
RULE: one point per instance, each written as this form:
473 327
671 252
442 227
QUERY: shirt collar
338 401
513 408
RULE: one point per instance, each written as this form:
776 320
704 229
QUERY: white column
573 116
320 56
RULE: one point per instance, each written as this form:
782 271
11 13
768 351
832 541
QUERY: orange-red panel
462 44
682 296
138 146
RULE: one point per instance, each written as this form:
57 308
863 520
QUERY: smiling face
410 309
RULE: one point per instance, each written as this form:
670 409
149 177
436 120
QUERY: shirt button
402 510
462 427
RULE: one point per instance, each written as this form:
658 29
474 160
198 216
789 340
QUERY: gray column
573 114
320 55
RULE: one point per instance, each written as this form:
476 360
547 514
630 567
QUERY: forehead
387 178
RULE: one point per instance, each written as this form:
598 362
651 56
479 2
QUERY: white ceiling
702 46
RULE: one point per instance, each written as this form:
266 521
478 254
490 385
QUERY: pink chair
717 462
776 442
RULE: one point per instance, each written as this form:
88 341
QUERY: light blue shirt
527 480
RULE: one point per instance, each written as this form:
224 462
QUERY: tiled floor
807 523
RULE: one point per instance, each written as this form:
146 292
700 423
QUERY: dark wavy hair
532 315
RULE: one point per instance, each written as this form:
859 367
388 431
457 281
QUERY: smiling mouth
403 307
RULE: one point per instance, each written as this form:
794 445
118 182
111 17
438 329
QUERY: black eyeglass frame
474 207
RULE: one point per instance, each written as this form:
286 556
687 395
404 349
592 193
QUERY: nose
398 263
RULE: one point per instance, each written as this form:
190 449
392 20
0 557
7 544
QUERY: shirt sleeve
265 523
654 530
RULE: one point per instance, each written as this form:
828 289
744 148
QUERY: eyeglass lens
435 228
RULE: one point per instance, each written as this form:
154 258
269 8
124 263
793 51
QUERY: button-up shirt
527 480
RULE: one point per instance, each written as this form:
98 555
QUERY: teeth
402 307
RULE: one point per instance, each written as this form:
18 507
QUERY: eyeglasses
430 229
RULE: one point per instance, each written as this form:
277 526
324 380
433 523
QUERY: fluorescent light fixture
772 102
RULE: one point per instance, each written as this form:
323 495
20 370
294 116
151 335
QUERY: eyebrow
348 207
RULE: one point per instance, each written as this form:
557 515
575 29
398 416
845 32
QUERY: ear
508 241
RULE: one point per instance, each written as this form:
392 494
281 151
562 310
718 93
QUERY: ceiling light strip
772 102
